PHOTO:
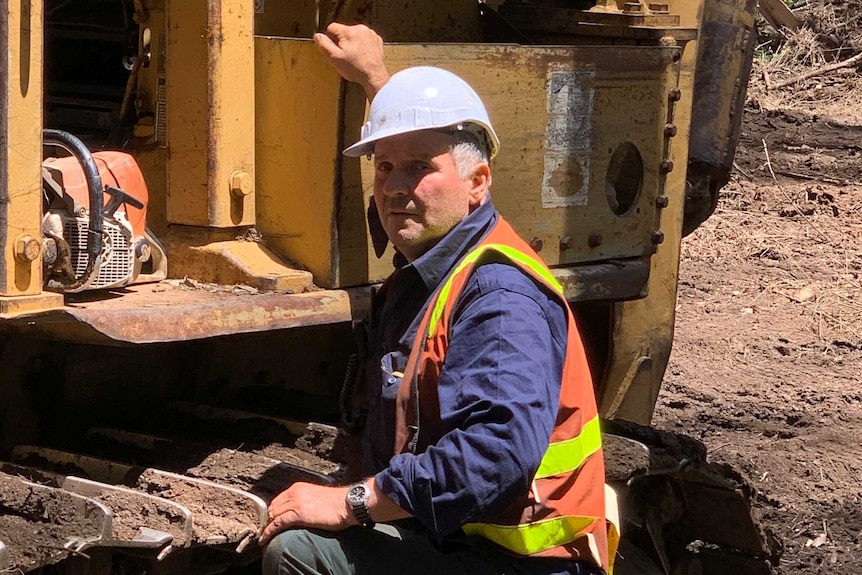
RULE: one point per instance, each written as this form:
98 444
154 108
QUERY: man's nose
396 185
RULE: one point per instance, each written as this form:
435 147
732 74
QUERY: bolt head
537 244
241 184
674 95
27 249
566 243
662 202
666 167
670 130
595 239
658 237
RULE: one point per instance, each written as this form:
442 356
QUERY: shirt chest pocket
391 373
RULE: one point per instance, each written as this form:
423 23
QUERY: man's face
418 192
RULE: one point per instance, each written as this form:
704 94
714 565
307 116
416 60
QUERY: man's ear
480 184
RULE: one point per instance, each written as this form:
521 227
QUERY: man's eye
384 168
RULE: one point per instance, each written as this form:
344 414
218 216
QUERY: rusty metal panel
410 21
297 18
154 313
561 113
210 112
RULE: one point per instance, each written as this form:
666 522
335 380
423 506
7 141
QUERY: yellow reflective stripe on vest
536 537
520 257
566 456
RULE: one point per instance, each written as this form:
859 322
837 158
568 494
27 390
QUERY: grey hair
467 153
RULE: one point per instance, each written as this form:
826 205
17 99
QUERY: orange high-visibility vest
563 514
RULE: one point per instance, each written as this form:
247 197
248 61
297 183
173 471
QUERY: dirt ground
767 355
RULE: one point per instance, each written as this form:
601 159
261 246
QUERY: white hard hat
425 98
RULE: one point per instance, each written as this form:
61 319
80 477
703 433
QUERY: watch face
357 494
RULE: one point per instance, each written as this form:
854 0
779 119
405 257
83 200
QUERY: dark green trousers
383 550
392 550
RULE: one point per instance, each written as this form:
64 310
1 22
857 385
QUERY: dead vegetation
813 66
811 243
815 69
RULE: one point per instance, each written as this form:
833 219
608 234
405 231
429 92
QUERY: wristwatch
357 500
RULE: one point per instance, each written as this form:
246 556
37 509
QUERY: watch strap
357 500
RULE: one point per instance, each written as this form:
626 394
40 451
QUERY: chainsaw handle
76 147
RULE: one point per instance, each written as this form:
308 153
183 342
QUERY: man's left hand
309 506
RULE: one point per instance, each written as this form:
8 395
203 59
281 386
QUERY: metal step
65 523
140 520
238 424
220 514
264 476
62 462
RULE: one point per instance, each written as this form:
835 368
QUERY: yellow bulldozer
185 251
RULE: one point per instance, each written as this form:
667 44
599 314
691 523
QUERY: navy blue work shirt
499 389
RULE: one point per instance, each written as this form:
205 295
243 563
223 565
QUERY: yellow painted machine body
238 121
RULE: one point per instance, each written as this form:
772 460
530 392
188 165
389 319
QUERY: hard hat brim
365 147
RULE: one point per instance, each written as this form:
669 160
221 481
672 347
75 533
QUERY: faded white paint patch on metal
568 140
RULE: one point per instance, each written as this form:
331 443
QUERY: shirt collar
435 264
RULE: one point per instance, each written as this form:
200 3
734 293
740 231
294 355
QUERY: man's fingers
337 30
326 44
267 534
276 524
277 508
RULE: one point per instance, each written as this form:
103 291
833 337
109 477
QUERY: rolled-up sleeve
499 393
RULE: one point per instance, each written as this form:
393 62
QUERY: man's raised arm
357 53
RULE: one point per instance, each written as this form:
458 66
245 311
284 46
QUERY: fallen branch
766 78
818 178
819 71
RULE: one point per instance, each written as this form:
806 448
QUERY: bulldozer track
153 498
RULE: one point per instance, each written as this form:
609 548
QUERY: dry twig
819 72
818 178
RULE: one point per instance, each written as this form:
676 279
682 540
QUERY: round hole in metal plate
625 178
568 178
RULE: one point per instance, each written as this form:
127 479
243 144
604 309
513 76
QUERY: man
481 450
